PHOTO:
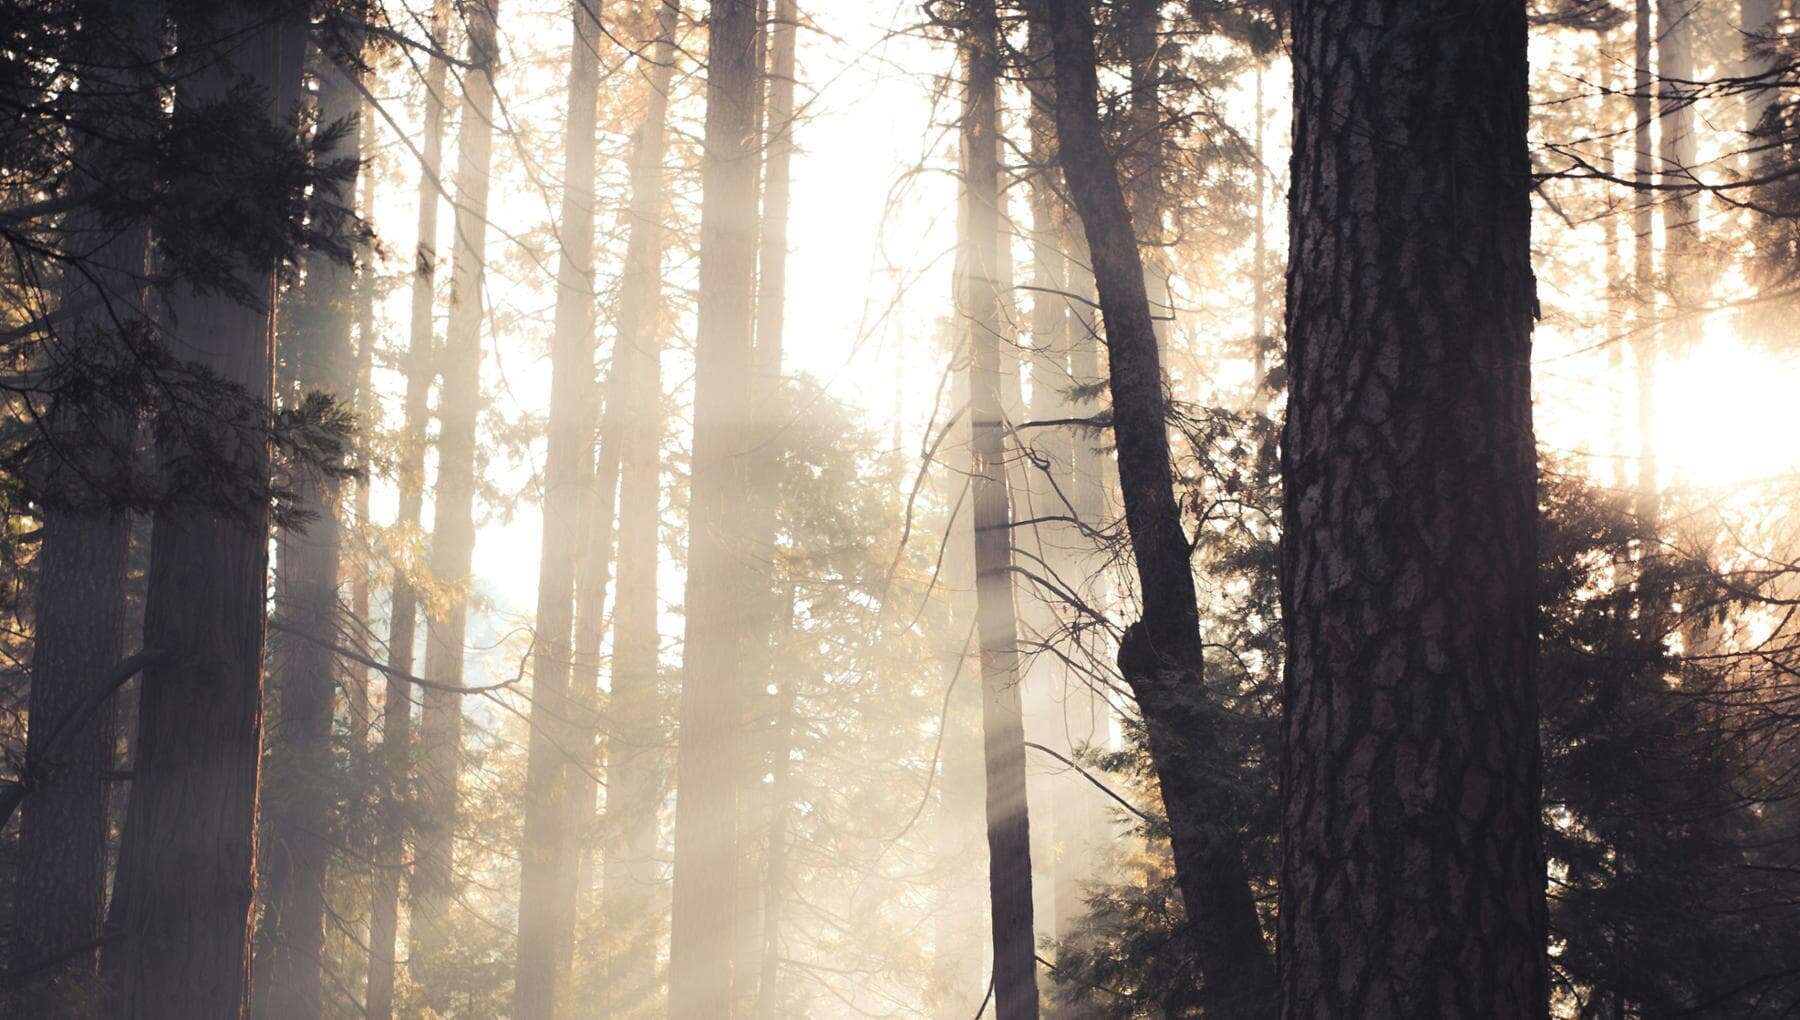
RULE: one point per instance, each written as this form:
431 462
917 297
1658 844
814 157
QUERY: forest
918 509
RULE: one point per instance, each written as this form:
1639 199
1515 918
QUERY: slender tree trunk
777 86
396 715
453 526
1146 139
543 894
722 577
1649 328
1684 274
297 799
1160 656
1002 722
80 598
636 761
1412 870
187 859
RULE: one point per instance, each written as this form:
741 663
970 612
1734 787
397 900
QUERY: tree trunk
1160 656
1685 275
453 526
187 859
1412 870
297 801
777 85
722 586
546 843
1142 40
409 470
80 598
1002 723
636 769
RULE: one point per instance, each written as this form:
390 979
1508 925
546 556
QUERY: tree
721 581
297 800
1412 869
80 603
186 870
1002 723
547 844
636 765
453 526
403 611
1161 655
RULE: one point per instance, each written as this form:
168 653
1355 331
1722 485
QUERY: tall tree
636 767
721 588
1161 655
187 856
755 797
298 795
546 840
1412 871
1002 711
80 598
403 613
453 523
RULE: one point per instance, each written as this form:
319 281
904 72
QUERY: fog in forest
865 508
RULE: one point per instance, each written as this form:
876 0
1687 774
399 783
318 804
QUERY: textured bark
409 470
296 802
546 844
1002 712
637 765
1160 656
1412 871
80 589
722 588
453 526
187 857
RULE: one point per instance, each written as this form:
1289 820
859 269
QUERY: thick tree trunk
637 764
1160 656
397 705
80 597
296 802
722 587
453 526
187 858
544 894
1412 870
1002 722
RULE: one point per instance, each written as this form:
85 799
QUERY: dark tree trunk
297 801
453 526
1412 871
722 587
1002 722
637 764
409 470
187 859
545 891
80 597
1160 656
